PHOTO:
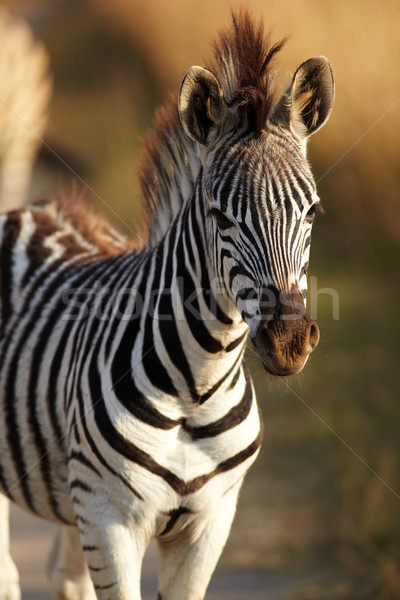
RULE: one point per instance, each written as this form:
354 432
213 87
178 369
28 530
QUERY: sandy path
31 541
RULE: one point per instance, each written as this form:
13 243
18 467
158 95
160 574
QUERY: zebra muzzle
286 334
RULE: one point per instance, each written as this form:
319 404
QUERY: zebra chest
198 474
188 461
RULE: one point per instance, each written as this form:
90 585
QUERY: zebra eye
221 219
311 214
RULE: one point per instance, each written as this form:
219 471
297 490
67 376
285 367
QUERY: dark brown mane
85 224
169 169
170 162
168 165
242 64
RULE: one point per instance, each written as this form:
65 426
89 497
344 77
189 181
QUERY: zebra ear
307 103
201 104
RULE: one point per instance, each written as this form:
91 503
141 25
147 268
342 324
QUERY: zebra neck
199 338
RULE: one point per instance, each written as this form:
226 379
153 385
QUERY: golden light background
322 504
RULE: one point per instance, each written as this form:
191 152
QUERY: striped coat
126 408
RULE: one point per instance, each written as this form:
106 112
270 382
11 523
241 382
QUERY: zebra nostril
264 341
313 335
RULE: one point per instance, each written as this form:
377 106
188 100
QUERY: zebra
127 410
25 92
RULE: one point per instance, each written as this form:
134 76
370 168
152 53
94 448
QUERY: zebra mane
170 163
242 65
69 217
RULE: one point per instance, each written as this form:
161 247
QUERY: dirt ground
31 540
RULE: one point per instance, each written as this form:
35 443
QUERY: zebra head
261 199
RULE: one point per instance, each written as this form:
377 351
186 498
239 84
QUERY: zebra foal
126 409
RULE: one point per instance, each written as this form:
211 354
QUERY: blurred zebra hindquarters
25 91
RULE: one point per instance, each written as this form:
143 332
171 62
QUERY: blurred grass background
322 503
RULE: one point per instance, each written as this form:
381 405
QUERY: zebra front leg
67 569
188 559
113 551
9 580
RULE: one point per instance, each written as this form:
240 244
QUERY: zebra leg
188 559
113 551
67 569
9 580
